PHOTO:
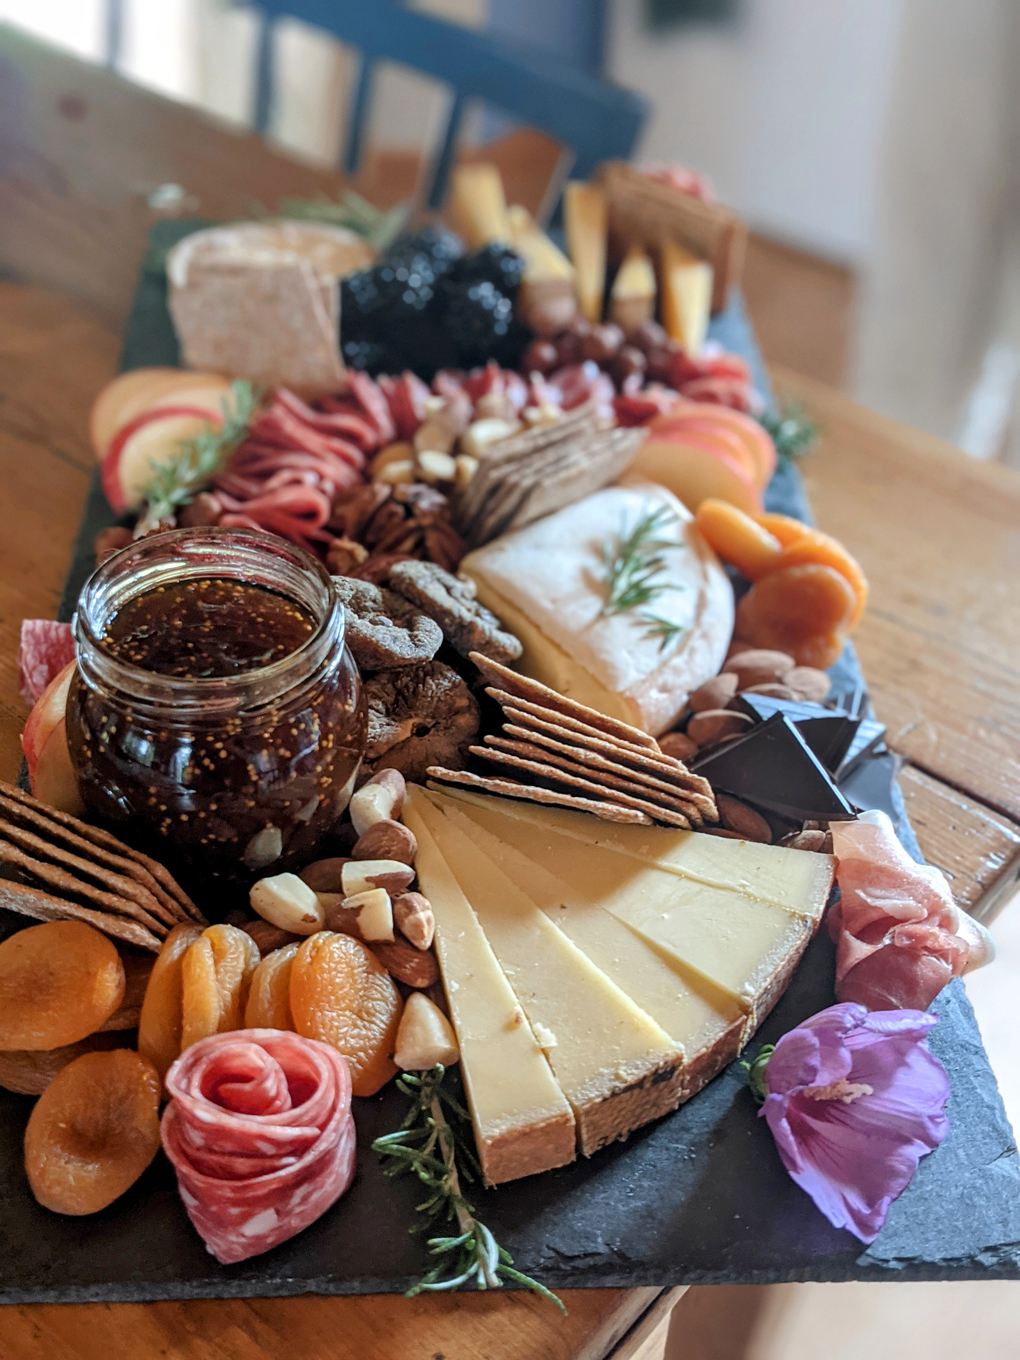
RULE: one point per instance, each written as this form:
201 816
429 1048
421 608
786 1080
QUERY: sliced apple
695 474
153 437
129 394
51 776
755 437
712 435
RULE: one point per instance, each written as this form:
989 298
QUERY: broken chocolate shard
774 768
828 733
867 741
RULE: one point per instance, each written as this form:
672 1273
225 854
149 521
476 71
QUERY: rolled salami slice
260 1132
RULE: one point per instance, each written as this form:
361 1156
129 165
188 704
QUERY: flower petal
814 1054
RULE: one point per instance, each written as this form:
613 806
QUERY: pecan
353 509
388 516
343 555
444 546
402 538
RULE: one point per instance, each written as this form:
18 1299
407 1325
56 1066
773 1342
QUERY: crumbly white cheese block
547 582
798 882
739 944
705 1022
615 1065
522 1121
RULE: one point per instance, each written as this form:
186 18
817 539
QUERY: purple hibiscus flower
854 1100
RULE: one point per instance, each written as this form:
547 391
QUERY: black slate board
698 1198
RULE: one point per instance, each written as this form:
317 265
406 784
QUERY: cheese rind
686 289
706 1023
797 882
547 581
615 1065
523 1123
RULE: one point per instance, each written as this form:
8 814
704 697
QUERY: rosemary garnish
633 571
434 1142
793 432
177 481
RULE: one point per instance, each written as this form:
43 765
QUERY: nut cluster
380 524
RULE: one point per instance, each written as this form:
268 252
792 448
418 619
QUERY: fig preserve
216 718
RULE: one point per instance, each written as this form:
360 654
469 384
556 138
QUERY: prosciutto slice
899 935
260 1132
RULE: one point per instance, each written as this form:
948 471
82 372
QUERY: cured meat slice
260 1132
46 647
899 935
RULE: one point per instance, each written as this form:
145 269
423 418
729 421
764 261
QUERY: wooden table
938 535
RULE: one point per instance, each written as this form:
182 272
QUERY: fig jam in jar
215 719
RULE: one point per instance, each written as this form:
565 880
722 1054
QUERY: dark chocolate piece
773 767
867 740
828 733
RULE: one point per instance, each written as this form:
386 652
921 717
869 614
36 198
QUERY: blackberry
441 247
478 319
496 264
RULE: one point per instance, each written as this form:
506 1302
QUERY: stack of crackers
568 755
70 871
529 475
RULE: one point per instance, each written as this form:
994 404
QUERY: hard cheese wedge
705 1022
584 224
523 1123
477 206
686 290
616 1066
739 944
798 882
632 296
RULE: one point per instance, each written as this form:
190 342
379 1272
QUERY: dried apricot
93 1131
138 965
30 1070
784 527
269 998
737 538
826 551
804 611
58 983
216 975
159 1026
341 994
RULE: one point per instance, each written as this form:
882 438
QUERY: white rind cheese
616 1066
523 1123
547 582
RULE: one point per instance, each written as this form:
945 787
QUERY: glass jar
229 778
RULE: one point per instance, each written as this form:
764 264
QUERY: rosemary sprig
434 1143
634 569
178 480
793 432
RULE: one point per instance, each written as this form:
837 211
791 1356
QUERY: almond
773 691
412 915
758 666
809 684
323 875
737 816
267 936
714 693
387 840
678 745
806 840
706 728
407 964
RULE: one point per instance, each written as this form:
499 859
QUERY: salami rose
260 1132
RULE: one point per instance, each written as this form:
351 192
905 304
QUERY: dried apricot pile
30 1070
59 982
269 998
159 1027
808 592
93 1131
342 995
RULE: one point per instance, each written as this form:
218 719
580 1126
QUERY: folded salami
260 1132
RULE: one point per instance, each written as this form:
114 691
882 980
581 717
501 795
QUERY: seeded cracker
27 901
53 876
509 788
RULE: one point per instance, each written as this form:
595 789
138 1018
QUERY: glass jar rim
247 555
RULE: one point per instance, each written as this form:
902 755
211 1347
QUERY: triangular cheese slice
704 1021
686 290
792 879
616 1066
523 1123
739 944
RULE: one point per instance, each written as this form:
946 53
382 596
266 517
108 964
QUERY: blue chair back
596 120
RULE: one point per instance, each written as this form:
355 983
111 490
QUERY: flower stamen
846 1091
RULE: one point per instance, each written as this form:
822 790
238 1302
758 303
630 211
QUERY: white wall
784 108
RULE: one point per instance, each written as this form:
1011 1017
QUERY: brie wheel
547 582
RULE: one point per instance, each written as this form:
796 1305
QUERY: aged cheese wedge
547 582
704 1021
616 1066
584 224
477 207
686 288
547 300
798 882
523 1123
744 946
632 296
